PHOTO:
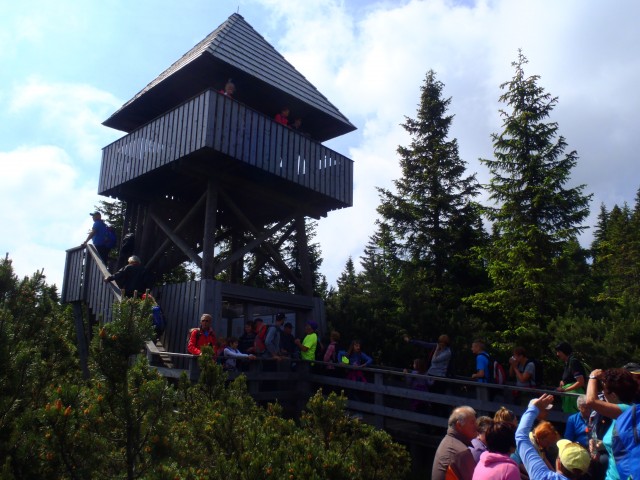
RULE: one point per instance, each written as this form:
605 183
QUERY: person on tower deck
98 235
283 117
229 89
202 336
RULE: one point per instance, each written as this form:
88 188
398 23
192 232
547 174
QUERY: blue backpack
158 319
626 444
110 238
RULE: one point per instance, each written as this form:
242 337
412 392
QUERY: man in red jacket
202 336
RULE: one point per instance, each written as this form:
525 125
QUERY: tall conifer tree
432 214
537 218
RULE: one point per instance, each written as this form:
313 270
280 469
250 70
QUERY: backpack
539 376
496 373
259 342
342 357
626 444
110 237
186 348
158 319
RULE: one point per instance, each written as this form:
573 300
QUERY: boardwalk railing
386 399
214 121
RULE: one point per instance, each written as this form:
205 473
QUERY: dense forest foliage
126 421
431 267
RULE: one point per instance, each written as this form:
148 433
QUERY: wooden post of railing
303 370
378 398
194 369
83 350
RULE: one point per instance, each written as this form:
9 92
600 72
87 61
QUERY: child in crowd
357 358
421 384
231 354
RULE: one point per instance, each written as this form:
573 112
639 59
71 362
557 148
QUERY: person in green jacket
309 343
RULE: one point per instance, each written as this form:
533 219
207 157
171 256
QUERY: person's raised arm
603 407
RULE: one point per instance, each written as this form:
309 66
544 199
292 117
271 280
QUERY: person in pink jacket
495 463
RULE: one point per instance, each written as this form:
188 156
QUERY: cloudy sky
65 66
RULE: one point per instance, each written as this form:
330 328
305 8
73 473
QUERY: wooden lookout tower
212 180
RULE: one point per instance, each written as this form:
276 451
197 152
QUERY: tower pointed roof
265 81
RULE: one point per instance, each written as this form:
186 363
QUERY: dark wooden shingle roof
265 81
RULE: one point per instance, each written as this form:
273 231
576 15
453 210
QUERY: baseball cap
573 456
632 367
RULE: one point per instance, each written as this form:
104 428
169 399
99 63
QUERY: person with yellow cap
573 459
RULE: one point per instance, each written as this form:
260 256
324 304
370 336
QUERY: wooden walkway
386 400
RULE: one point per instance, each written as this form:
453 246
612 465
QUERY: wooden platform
212 136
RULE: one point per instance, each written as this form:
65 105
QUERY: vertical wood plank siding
215 121
83 281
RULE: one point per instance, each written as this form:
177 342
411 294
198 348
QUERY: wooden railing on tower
83 281
211 120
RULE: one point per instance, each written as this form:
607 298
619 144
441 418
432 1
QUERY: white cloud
69 113
44 211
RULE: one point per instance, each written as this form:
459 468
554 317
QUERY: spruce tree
536 218
432 215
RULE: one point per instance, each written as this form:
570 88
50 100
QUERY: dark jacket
131 278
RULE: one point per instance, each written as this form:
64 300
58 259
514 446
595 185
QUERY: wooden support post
237 253
237 263
208 242
304 260
180 243
146 239
276 258
83 348
185 221
378 398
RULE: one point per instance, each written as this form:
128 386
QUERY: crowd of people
507 448
485 448
277 342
